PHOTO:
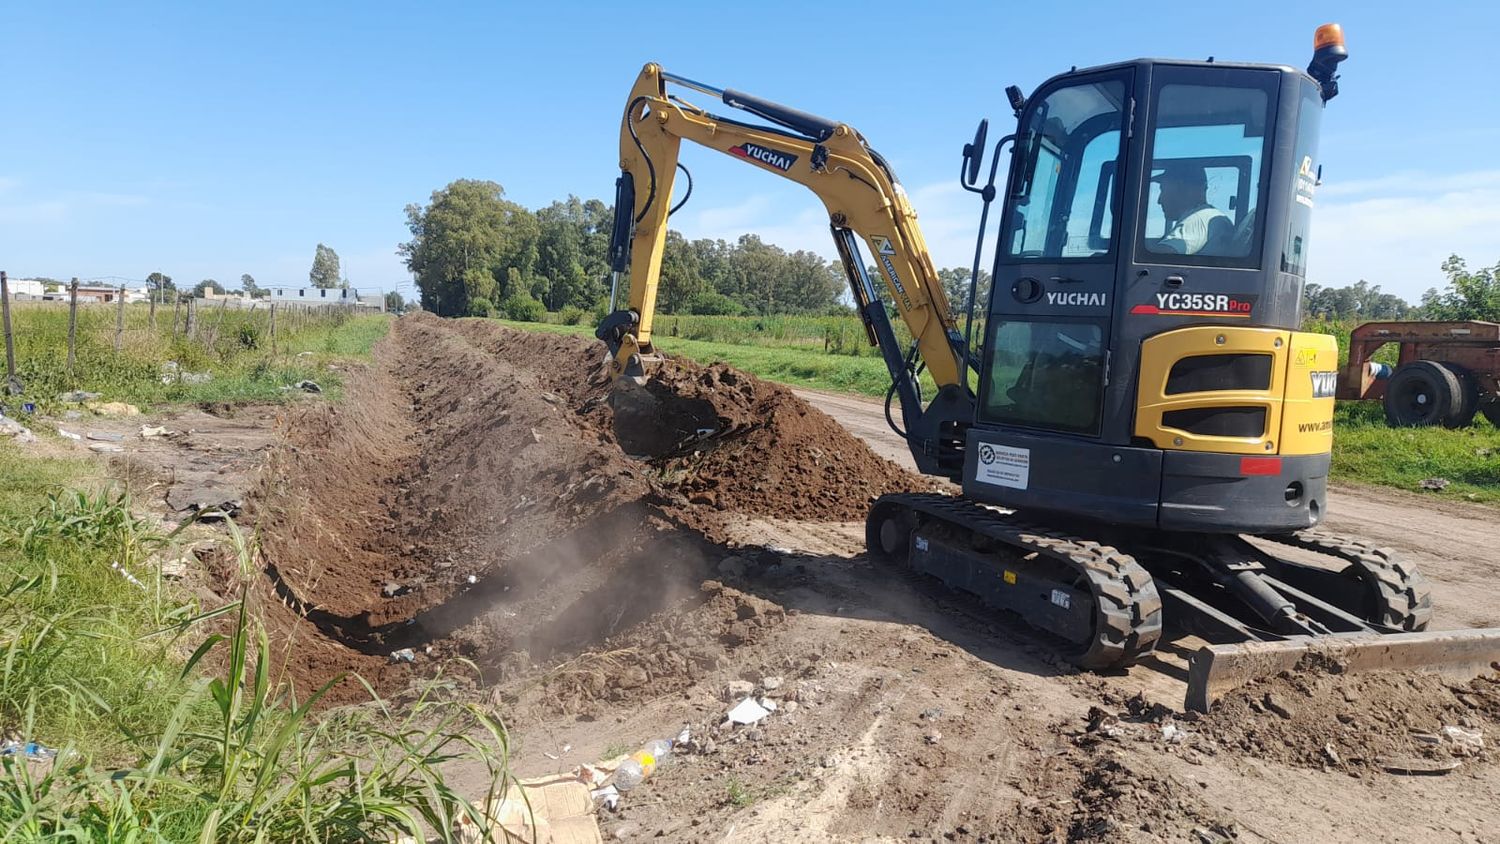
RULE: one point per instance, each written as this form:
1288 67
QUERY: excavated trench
482 492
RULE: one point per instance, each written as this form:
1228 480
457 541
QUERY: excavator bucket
1217 669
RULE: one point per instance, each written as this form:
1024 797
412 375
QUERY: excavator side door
1047 342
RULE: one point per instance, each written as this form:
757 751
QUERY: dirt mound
484 493
719 437
1362 721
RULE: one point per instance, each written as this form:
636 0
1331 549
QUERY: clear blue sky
210 142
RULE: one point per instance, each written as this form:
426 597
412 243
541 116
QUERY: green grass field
1365 450
235 350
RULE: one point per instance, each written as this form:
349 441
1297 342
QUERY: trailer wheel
1467 403
1421 393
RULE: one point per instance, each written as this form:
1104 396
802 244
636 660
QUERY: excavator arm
864 202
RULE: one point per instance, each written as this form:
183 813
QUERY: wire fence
82 334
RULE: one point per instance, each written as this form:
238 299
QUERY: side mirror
974 152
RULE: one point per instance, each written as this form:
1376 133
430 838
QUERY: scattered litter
107 448
1435 484
11 428
113 408
1331 754
69 435
176 568
706 432
1173 734
31 750
1465 742
1419 767
404 655
304 354
933 737
608 797
472 579
28 407
79 397
151 431
683 738
747 711
125 573
308 386
558 809
105 437
215 512
392 590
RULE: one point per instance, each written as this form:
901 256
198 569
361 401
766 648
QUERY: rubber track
1405 599
1127 605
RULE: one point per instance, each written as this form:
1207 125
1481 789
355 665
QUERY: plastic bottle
641 764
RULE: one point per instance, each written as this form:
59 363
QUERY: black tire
1422 393
1468 398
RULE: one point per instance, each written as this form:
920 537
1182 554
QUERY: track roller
1097 599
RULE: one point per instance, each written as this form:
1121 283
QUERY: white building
314 296
28 288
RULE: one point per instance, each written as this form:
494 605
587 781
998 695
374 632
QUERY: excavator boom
865 203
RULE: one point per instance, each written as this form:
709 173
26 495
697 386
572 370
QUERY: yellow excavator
1141 434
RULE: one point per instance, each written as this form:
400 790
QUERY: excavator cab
1140 351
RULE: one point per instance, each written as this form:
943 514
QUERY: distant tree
470 244
1358 301
1469 295
159 284
394 303
956 288
253 290
205 285
325 272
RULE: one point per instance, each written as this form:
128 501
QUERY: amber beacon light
1328 51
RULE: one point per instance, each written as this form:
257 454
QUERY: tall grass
157 365
156 747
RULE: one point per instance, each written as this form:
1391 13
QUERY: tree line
475 253
1468 295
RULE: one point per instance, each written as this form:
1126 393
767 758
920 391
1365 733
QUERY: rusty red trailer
1446 372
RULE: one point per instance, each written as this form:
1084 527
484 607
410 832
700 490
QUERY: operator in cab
1192 223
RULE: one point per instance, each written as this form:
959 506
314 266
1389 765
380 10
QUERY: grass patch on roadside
168 723
1367 451
233 348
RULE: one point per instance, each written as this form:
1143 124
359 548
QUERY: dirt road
475 494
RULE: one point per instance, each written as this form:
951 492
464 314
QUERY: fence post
176 306
273 329
190 327
72 324
213 336
151 313
12 383
119 317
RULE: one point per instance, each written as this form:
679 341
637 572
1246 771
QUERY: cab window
1065 192
1207 147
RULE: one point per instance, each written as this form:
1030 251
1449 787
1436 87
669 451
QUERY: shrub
571 315
481 307
713 303
523 308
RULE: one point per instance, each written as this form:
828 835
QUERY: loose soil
622 566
